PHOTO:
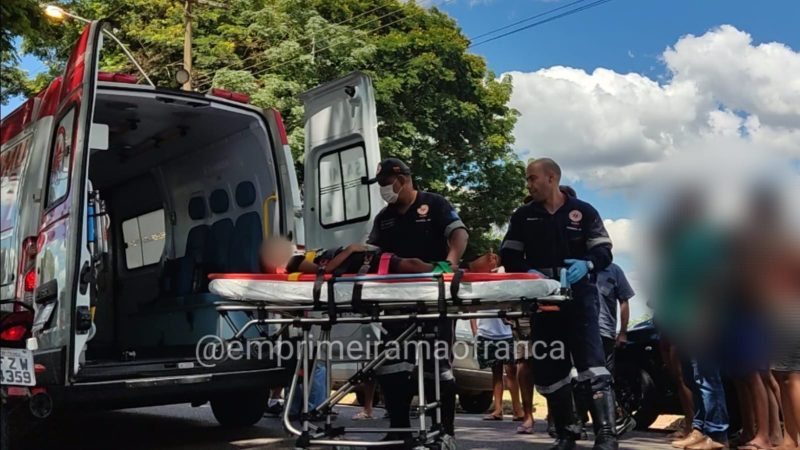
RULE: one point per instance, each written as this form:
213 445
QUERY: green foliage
439 107
19 18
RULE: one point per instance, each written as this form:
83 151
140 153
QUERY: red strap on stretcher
383 267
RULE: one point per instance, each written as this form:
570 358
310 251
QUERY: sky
625 92
619 92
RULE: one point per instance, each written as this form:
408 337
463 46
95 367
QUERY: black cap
390 166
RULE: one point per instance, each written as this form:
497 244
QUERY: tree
18 18
439 107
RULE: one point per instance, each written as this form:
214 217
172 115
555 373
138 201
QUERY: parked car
474 384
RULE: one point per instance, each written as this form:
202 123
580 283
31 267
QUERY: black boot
561 406
603 412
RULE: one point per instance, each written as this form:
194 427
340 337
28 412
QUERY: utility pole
187 43
187 35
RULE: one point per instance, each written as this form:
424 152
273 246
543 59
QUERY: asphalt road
184 427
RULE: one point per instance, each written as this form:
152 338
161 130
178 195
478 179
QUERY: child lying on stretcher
277 256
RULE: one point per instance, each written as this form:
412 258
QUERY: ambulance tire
240 409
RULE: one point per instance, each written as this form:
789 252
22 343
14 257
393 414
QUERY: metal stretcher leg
423 405
306 436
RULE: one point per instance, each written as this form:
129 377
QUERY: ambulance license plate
16 367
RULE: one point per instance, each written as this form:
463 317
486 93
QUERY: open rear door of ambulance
341 153
63 318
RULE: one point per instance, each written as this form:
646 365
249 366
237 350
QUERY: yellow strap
310 255
294 276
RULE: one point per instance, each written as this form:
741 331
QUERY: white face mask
388 193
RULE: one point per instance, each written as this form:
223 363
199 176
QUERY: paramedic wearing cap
423 225
552 232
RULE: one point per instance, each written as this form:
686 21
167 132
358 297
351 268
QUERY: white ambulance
118 199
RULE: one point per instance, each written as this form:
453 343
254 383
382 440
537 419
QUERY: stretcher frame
421 437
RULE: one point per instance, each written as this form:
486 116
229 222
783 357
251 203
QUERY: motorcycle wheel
636 394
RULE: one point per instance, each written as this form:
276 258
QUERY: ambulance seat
186 313
183 275
218 255
247 234
197 239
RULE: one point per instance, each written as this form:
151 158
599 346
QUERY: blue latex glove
578 269
534 271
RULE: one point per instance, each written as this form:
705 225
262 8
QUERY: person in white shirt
495 349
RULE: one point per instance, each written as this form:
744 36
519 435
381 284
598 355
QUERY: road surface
182 427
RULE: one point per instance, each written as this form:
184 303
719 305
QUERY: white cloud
621 233
763 79
615 130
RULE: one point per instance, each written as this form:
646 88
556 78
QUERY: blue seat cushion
247 237
219 246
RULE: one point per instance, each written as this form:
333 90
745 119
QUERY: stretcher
416 300
297 289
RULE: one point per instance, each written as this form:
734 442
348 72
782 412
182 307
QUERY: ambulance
120 197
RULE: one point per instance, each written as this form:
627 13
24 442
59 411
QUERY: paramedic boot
562 411
603 410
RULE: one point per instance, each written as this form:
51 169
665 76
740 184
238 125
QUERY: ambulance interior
186 184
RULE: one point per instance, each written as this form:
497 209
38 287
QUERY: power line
543 21
536 16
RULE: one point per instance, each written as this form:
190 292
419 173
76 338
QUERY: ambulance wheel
240 409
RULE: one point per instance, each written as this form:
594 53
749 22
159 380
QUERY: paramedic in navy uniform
552 232
423 225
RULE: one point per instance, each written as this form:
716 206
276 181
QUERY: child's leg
497 388
369 396
513 388
525 380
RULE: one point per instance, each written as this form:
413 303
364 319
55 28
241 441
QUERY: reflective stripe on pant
575 329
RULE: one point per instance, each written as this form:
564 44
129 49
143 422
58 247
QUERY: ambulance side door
341 153
62 261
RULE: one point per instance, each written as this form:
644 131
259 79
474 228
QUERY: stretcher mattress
293 290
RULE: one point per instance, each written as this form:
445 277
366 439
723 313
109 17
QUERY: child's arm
474 325
343 255
307 267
